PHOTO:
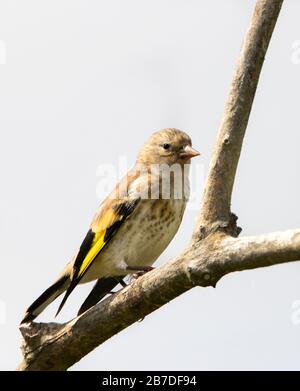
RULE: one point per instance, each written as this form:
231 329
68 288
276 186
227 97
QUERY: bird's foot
140 270
137 275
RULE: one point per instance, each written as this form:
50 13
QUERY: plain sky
84 83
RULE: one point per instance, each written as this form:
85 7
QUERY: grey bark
215 249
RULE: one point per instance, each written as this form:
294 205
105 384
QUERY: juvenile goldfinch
133 225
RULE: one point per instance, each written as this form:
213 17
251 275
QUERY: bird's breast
141 239
156 222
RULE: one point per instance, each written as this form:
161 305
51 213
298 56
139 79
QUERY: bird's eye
166 146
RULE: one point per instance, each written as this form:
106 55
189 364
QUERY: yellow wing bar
98 244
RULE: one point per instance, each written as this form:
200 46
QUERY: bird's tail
102 287
46 298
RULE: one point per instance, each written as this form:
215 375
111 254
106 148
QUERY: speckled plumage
133 225
141 240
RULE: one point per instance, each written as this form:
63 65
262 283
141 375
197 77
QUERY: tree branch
214 250
215 210
57 346
260 251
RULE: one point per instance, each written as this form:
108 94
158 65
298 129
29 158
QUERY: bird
132 226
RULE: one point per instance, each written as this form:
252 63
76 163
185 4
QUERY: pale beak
189 152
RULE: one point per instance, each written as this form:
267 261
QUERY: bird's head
167 146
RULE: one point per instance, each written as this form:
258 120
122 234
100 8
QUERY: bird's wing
111 215
102 230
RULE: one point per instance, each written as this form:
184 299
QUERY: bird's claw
145 270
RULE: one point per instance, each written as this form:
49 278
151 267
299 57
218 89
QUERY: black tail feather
40 303
102 287
67 294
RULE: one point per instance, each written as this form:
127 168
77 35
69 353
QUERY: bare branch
214 250
56 347
215 210
264 250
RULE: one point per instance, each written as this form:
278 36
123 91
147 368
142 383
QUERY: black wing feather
123 209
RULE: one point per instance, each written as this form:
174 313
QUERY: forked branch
214 250
215 209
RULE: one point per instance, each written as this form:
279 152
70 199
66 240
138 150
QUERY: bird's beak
189 152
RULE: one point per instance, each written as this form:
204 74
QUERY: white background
85 82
